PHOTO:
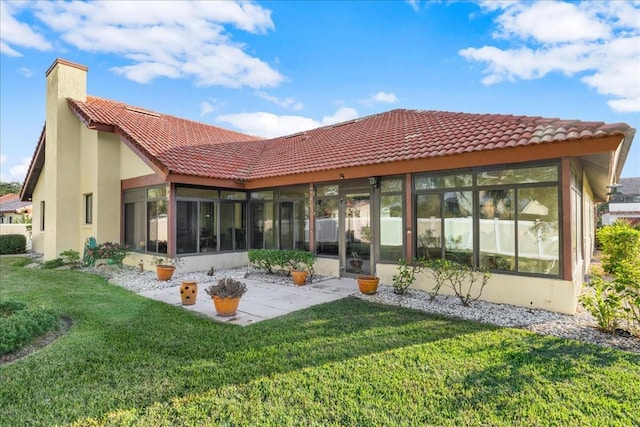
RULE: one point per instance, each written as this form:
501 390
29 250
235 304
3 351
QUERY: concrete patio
262 300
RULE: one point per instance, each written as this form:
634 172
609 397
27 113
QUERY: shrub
604 303
285 260
466 282
53 263
406 275
614 299
21 325
115 252
13 244
71 258
618 241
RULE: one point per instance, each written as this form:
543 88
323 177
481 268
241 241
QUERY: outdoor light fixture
341 176
374 181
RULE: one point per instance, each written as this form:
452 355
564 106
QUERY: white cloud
381 97
289 103
600 40
26 72
550 22
342 115
415 4
168 39
17 34
206 108
270 125
17 172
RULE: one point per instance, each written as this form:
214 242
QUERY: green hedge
283 260
20 325
13 244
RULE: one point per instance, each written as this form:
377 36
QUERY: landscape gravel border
581 326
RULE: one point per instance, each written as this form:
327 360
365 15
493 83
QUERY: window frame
476 189
88 208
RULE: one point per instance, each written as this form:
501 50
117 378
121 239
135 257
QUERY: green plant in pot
165 266
226 295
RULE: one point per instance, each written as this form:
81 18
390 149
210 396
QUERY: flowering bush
115 252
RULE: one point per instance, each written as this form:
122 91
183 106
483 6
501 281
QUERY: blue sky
274 68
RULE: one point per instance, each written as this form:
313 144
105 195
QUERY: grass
128 361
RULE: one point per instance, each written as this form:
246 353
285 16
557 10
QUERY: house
515 194
624 202
12 209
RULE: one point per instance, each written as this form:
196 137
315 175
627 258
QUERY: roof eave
35 168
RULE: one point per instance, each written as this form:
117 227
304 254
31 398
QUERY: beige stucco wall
327 267
78 161
60 180
14 229
196 262
531 292
131 166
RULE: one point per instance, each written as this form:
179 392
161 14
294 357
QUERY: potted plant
226 295
165 267
301 266
368 285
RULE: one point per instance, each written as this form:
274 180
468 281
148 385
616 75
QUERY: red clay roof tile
192 148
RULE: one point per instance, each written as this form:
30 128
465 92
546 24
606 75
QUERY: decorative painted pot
368 284
188 292
225 306
165 272
299 277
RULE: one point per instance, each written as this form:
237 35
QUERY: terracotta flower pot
165 272
299 277
188 292
368 284
225 306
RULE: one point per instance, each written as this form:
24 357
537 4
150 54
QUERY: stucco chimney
60 188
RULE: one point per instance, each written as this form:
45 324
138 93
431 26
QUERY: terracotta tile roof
175 145
191 148
412 134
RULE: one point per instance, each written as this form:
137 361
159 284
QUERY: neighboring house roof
629 186
184 147
10 203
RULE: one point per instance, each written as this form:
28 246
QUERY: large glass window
208 227
519 220
198 220
444 216
327 225
391 220
187 227
145 219
280 219
508 221
538 230
429 226
233 233
497 229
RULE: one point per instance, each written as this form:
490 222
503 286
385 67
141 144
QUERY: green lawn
128 361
